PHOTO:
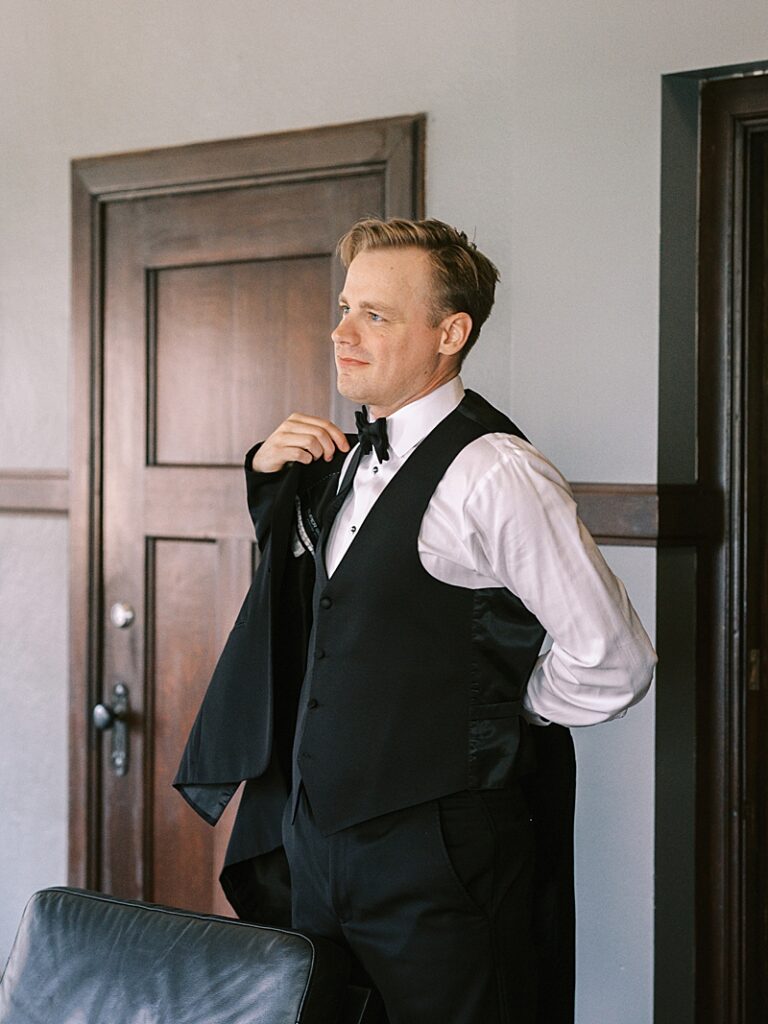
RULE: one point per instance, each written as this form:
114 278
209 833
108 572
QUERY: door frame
735 122
393 148
707 732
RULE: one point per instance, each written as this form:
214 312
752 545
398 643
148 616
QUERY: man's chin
350 388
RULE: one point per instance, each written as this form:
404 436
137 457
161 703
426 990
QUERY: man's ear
455 330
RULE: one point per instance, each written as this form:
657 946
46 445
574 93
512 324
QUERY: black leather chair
85 958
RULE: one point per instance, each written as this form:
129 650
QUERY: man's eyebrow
367 304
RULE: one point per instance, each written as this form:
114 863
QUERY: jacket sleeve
262 489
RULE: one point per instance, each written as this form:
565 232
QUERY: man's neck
378 411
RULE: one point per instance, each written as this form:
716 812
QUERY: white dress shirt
503 516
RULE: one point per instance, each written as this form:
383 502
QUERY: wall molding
619 514
34 491
615 514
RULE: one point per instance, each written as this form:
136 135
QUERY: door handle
114 718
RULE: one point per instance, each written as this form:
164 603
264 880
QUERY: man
405 700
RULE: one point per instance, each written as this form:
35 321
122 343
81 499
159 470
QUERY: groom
391 649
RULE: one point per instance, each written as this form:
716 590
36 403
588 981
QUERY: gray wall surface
543 142
33 711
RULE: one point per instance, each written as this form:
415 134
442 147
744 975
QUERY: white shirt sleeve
516 526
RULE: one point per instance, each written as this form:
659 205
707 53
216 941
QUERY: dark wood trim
650 516
753 582
732 114
34 491
647 515
618 514
704 615
624 514
388 144
85 526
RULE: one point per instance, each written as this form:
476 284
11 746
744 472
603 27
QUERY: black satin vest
413 686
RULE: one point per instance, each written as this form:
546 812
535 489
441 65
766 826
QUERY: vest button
325 602
320 654
311 703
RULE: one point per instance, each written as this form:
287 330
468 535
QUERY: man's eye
343 310
375 317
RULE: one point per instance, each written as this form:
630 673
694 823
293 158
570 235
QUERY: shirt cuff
531 716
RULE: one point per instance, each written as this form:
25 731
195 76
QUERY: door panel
269 315
183 576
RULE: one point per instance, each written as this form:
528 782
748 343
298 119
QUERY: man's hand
300 438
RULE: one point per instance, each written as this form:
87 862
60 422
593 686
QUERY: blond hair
464 278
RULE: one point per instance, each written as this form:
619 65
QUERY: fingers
318 436
300 438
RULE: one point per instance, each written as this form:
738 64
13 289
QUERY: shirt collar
411 424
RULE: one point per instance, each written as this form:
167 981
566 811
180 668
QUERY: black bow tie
372 435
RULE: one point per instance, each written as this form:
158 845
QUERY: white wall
614 842
543 140
33 711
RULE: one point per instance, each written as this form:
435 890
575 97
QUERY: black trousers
433 901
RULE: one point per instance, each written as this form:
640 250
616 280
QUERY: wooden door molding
711 263
390 149
734 126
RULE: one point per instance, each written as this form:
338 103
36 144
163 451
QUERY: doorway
712 791
205 288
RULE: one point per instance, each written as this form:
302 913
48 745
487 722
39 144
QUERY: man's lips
346 361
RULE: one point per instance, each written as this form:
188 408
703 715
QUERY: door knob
115 717
103 717
121 614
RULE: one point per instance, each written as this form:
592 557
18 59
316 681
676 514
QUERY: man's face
387 354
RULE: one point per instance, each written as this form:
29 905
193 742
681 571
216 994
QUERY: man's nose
344 333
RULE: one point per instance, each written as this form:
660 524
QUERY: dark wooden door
216 308
731 562
756 583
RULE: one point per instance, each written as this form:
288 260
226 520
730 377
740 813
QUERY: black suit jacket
244 728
